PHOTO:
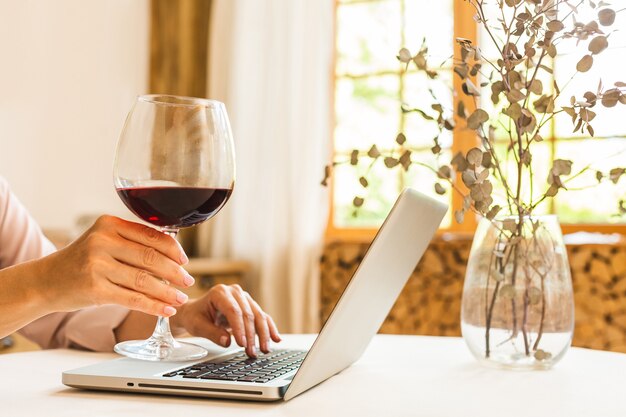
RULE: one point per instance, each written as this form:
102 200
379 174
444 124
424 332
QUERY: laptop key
197 374
216 377
248 378
220 371
262 380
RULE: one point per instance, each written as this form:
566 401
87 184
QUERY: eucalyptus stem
489 311
542 319
514 329
489 317
525 322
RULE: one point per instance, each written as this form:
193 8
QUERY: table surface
397 376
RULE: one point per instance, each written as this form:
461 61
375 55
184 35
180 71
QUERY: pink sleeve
21 240
90 328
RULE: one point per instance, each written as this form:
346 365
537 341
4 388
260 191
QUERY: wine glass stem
162 326
162 330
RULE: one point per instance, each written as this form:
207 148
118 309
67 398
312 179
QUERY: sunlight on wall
70 72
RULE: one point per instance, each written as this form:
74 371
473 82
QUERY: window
371 86
597 204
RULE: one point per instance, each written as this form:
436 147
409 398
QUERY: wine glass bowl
174 167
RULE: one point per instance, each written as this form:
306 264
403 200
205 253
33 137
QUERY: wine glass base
160 350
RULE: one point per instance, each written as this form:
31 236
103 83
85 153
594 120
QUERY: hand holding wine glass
113 262
174 167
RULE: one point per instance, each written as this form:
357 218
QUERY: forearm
22 298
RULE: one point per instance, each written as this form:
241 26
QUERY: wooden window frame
463 140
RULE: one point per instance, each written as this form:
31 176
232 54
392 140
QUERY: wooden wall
179 47
179 50
430 303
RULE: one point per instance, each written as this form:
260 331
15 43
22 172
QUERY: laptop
286 373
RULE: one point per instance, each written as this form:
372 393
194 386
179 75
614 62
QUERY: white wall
69 72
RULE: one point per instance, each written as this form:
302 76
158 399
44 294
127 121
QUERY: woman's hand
117 262
226 310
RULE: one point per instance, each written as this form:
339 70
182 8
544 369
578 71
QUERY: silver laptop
285 373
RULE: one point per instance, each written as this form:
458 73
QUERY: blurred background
305 83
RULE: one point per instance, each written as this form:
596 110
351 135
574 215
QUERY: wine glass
174 167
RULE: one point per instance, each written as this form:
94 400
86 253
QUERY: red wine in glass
174 206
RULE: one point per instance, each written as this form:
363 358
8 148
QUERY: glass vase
518 305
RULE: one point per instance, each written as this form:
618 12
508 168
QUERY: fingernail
169 311
244 342
188 280
183 258
224 341
181 297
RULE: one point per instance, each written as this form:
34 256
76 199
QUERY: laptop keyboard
239 367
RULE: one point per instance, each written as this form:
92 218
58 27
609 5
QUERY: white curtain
271 63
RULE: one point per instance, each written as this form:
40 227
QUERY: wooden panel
430 303
179 47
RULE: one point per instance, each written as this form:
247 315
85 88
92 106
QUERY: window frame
462 141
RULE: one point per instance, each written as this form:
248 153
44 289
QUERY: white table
397 376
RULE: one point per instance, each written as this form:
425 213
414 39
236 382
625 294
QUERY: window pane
504 123
367 112
369 35
609 121
615 32
541 164
357 1
435 23
488 47
424 179
380 194
593 203
419 131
